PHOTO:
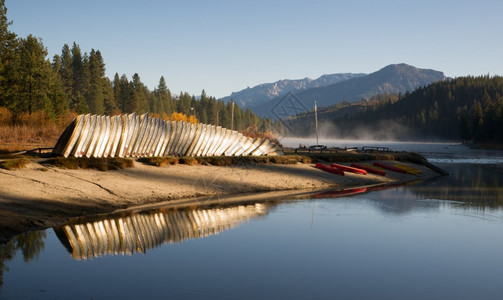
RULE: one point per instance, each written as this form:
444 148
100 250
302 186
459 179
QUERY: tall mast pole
232 115
316 121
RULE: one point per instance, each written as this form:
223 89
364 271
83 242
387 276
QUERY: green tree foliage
79 78
66 71
35 79
465 108
8 58
76 81
30 244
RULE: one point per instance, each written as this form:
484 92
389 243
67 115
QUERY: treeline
75 81
468 108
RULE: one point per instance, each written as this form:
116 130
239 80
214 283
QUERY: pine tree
138 100
66 71
109 97
116 85
95 97
164 96
477 121
58 97
80 71
124 95
183 105
34 81
80 104
8 58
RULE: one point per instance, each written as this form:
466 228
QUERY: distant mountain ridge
396 78
255 96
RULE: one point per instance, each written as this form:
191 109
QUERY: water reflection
31 244
473 184
137 232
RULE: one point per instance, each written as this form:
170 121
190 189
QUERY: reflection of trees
138 232
477 185
30 244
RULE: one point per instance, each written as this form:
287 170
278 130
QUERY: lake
439 239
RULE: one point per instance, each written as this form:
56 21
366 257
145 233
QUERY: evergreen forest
467 109
36 90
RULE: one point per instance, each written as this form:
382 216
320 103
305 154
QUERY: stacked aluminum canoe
140 232
143 136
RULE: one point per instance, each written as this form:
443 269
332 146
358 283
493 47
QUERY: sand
40 196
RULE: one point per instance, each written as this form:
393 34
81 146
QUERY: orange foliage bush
253 132
175 116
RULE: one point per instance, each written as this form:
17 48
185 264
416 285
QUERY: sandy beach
40 196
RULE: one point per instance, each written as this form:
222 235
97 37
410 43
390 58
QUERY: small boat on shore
408 169
330 169
390 167
349 169
369 169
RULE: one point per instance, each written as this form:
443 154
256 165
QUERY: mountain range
255 96
276 99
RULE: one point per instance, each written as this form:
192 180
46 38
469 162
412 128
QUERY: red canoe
369 169
391 168
329 169
349 169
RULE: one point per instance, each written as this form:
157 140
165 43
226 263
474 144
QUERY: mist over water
382 131
436 152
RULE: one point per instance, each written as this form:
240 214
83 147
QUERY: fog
331 135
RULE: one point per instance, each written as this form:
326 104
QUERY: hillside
468 109
262 93
398 78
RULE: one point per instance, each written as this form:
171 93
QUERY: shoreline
41 196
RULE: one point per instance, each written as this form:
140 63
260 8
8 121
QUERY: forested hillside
469 109
74 82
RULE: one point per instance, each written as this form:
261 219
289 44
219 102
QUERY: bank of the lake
40 195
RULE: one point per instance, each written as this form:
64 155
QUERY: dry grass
188 160
225 160
14 164
30 131
159 161
101 164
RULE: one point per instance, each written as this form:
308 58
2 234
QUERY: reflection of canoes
385 187
340 193
349 169
330 169
390 167
131 233
143 136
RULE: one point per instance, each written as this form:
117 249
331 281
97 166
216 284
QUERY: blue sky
225 46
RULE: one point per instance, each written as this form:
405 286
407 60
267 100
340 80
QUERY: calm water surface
441 239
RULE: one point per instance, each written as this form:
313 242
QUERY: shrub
159 161
13 164
187 160
101 164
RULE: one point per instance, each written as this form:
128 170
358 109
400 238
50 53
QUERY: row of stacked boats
135 135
